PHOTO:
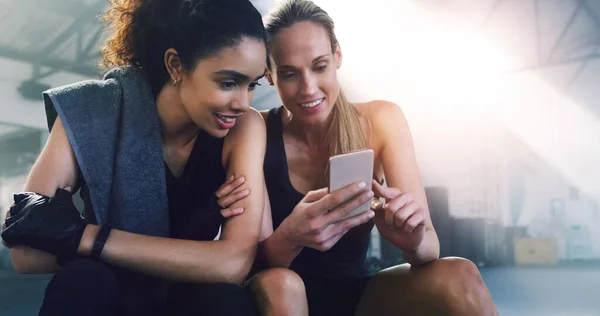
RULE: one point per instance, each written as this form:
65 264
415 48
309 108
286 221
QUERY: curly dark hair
142 30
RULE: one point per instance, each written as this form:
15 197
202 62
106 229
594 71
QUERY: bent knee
442 278
278 280
459 269
461 283
465 289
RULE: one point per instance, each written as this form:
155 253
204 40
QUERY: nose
242 101
308 85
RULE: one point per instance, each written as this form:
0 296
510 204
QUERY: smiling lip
225 121
313 106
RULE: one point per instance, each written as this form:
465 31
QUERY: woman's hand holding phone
315 221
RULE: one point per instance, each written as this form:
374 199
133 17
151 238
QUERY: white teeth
312 104
225 118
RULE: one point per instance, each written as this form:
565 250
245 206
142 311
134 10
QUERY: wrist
280 250
87 240
286 239
421 254
415 248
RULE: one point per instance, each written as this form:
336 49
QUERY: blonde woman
300 231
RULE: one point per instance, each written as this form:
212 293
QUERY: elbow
240 270
19 260
22 269
30 261
239 266
236 278
235 273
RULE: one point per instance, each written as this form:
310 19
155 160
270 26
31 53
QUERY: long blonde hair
345 133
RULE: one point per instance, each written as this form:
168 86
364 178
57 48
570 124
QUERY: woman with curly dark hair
163 157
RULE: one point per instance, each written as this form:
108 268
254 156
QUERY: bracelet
100 241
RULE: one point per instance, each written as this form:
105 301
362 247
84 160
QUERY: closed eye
228 85
287 75
253 85
321 68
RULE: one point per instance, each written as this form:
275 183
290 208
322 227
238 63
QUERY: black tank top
193 209
347 257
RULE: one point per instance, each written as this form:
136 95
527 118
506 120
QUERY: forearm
175 259
428 251
277 251
32 261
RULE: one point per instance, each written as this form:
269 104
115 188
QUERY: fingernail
370 194
242 179
246 191
238 210
371 214
362 185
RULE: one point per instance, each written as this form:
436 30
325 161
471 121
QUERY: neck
313 135
176 125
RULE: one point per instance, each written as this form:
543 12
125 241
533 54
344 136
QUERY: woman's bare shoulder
381 115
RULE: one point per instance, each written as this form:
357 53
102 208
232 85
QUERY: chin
211 128
318 118
218 133
314 120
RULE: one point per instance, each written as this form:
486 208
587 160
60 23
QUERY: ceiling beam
86 69
580 59
593 15
491 12
58 7
565 30
582 67
87 16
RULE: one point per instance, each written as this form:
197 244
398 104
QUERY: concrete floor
558 291
567 290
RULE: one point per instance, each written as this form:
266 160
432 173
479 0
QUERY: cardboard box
535 251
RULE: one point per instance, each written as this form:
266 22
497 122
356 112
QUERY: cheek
329 83
199 100
287 90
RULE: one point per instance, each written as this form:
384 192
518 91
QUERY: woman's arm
401 171
274 249
313 223
56 167
226 260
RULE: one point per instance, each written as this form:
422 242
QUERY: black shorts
334 296
88 287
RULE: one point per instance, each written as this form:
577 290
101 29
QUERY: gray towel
114 129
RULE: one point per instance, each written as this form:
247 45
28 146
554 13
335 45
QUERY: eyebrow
320 57
316 59
236 75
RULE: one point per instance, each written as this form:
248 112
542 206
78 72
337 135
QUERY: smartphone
348 168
